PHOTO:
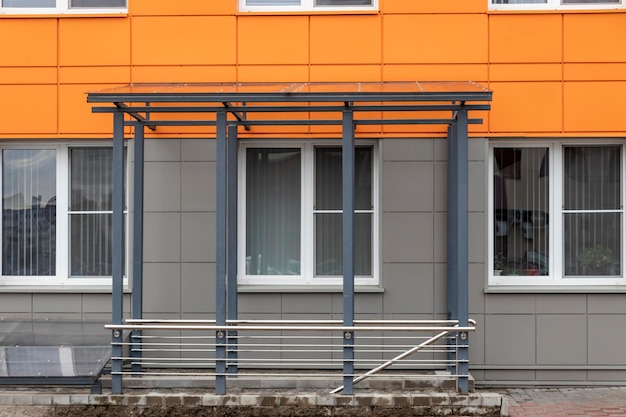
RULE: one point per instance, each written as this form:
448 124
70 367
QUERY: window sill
306 289
556 289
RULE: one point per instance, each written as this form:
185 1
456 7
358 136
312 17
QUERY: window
62 6
554 4
291 215
306 5
557 213
56 215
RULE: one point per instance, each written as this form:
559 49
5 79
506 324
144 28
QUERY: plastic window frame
306 6
63 8
307 275
556 277
62 278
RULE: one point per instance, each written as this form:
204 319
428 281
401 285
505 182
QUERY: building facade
545 169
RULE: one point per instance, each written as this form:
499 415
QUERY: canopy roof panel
291 91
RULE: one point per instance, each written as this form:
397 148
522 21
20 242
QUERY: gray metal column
220 266
348 248
458 241
137 294
117 234
232 311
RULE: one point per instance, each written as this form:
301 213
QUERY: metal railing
290 349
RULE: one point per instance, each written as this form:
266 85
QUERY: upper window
62 6
554 4
291 216
306 5
56 215
557 214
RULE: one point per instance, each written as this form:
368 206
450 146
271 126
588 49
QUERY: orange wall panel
28 109
595 106
434 39
75 115
433 6
273 40
345 73
86 75
525 38
91 42
595 37
184 74
526 107
343 39
273 73
196 40
435 72
28 75
594 72
28 42
525 72
181 7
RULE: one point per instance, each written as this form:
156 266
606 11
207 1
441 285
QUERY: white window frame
557 5
305 6
307 249
63 7
556 276
62 278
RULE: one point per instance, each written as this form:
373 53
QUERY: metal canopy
346 105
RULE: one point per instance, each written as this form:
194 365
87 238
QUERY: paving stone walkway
566 402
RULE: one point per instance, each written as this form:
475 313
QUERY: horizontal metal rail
287 348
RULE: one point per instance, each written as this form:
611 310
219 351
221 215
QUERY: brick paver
566 402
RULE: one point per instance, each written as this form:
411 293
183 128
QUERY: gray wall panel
162 186
407 237
407 150
311 303
197 150
161 237
198 186
162 150
12 305
606 341
70 305
408 284
161 288
198 237
561 339
198 288
407 186
510 339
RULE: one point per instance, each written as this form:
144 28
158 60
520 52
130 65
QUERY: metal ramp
53 352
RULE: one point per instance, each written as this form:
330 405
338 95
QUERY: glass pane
343 2
519 2
329 244
521 204
91 179
28 212
329 177
102 4
592 244
90 249
28 3
272 2
273 195
591 179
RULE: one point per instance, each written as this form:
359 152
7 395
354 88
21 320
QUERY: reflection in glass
521 211
28 212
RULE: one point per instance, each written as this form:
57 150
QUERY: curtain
273 211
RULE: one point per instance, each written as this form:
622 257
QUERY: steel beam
231 212
458 241
220 265
137 287
348 248
117 233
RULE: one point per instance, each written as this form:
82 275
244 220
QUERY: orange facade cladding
552 73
